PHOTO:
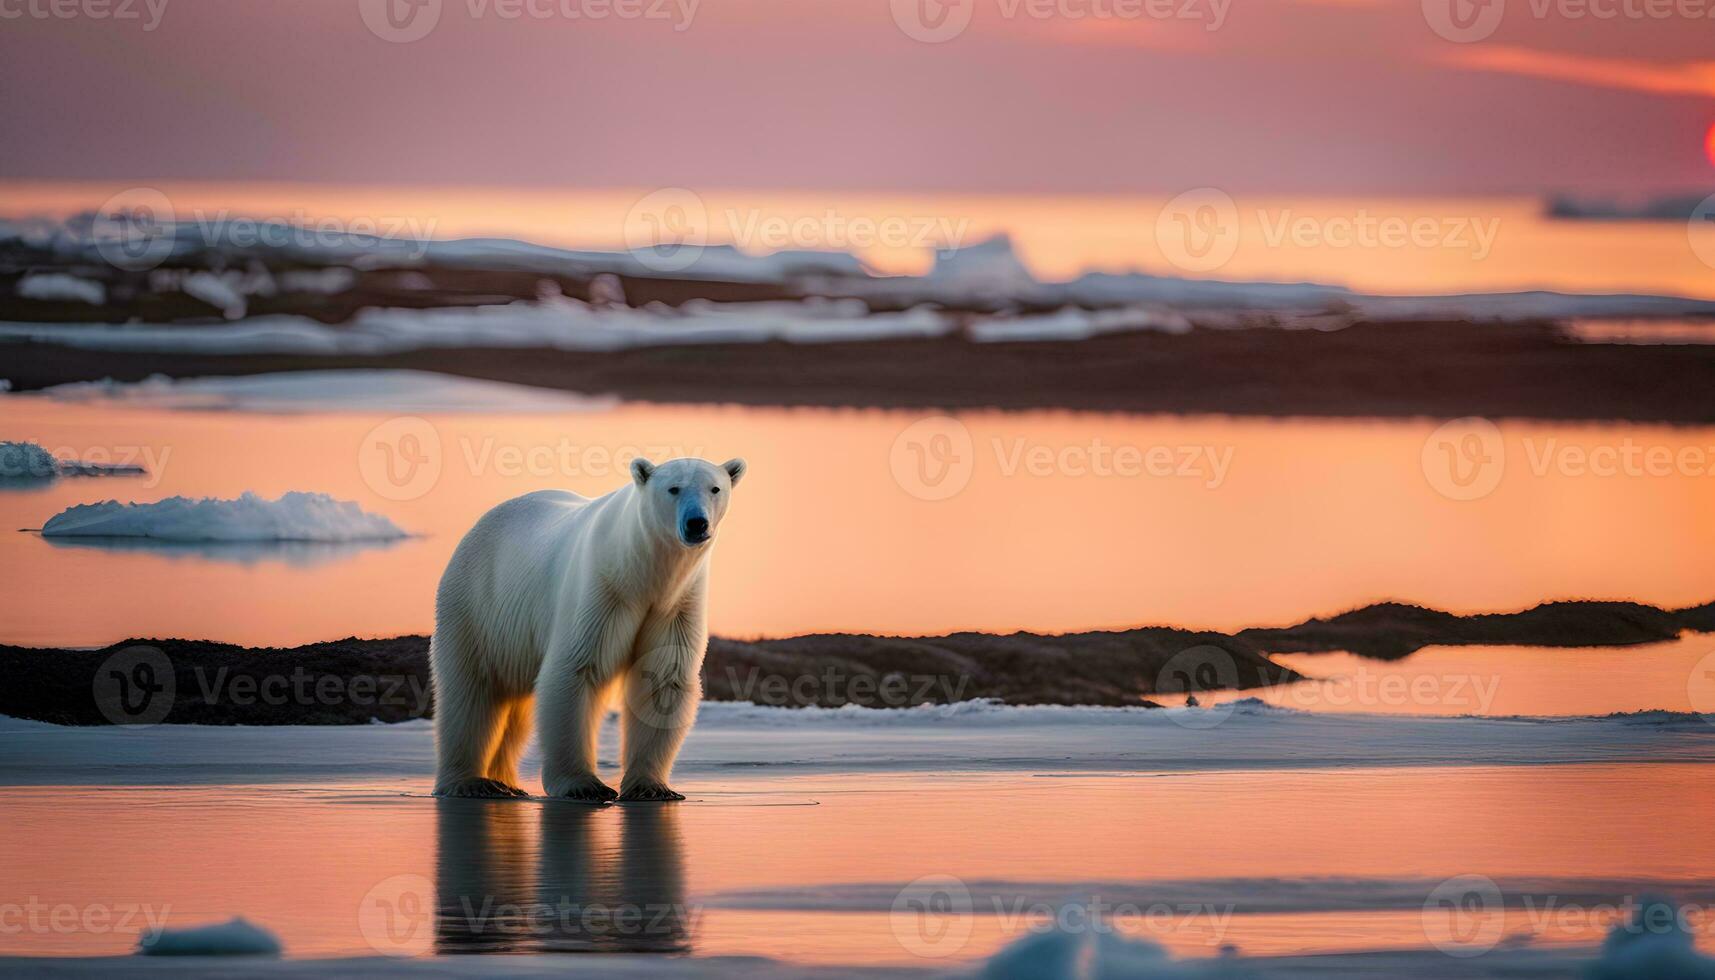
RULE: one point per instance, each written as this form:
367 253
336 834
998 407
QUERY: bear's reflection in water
517 877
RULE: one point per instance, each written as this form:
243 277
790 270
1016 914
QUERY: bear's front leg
568 720
662 690
571 693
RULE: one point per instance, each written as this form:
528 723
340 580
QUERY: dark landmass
355 681
1392 630
1433 369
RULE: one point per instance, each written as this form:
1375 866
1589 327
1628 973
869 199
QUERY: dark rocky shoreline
1529 370
358 681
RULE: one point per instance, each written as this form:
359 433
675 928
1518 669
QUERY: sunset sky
1294 96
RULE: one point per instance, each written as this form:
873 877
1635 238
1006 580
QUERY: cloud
1684 78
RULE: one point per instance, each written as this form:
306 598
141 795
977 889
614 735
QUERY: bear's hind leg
468 719
503 767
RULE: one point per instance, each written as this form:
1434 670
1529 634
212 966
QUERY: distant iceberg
295 516
988 264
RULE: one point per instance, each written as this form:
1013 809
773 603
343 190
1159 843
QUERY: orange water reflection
1306 517
1502 681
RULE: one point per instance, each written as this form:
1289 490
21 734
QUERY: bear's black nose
696 527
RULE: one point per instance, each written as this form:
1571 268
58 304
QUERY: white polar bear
550 602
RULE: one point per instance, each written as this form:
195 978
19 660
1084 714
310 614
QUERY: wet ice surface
1288 836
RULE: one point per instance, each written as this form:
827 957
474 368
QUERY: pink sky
1298 96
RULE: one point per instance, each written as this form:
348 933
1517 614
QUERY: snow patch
395 391
555 323
225 296
62 287
1072 323
296 516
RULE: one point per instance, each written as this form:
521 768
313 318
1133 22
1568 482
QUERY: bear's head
686 497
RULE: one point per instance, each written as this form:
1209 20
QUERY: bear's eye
714 489
673 490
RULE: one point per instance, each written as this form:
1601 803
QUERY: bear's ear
734 468
642 470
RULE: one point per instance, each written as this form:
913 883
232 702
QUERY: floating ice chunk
234 938
60 286
295 516
26 461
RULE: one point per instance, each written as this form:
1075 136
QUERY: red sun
1709 143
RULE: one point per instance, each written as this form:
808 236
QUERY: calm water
881 522
1502 681
805 868
1460 245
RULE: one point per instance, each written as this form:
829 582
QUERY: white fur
551 604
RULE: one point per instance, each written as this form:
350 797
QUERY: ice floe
295 516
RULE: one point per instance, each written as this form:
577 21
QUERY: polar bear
551 603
